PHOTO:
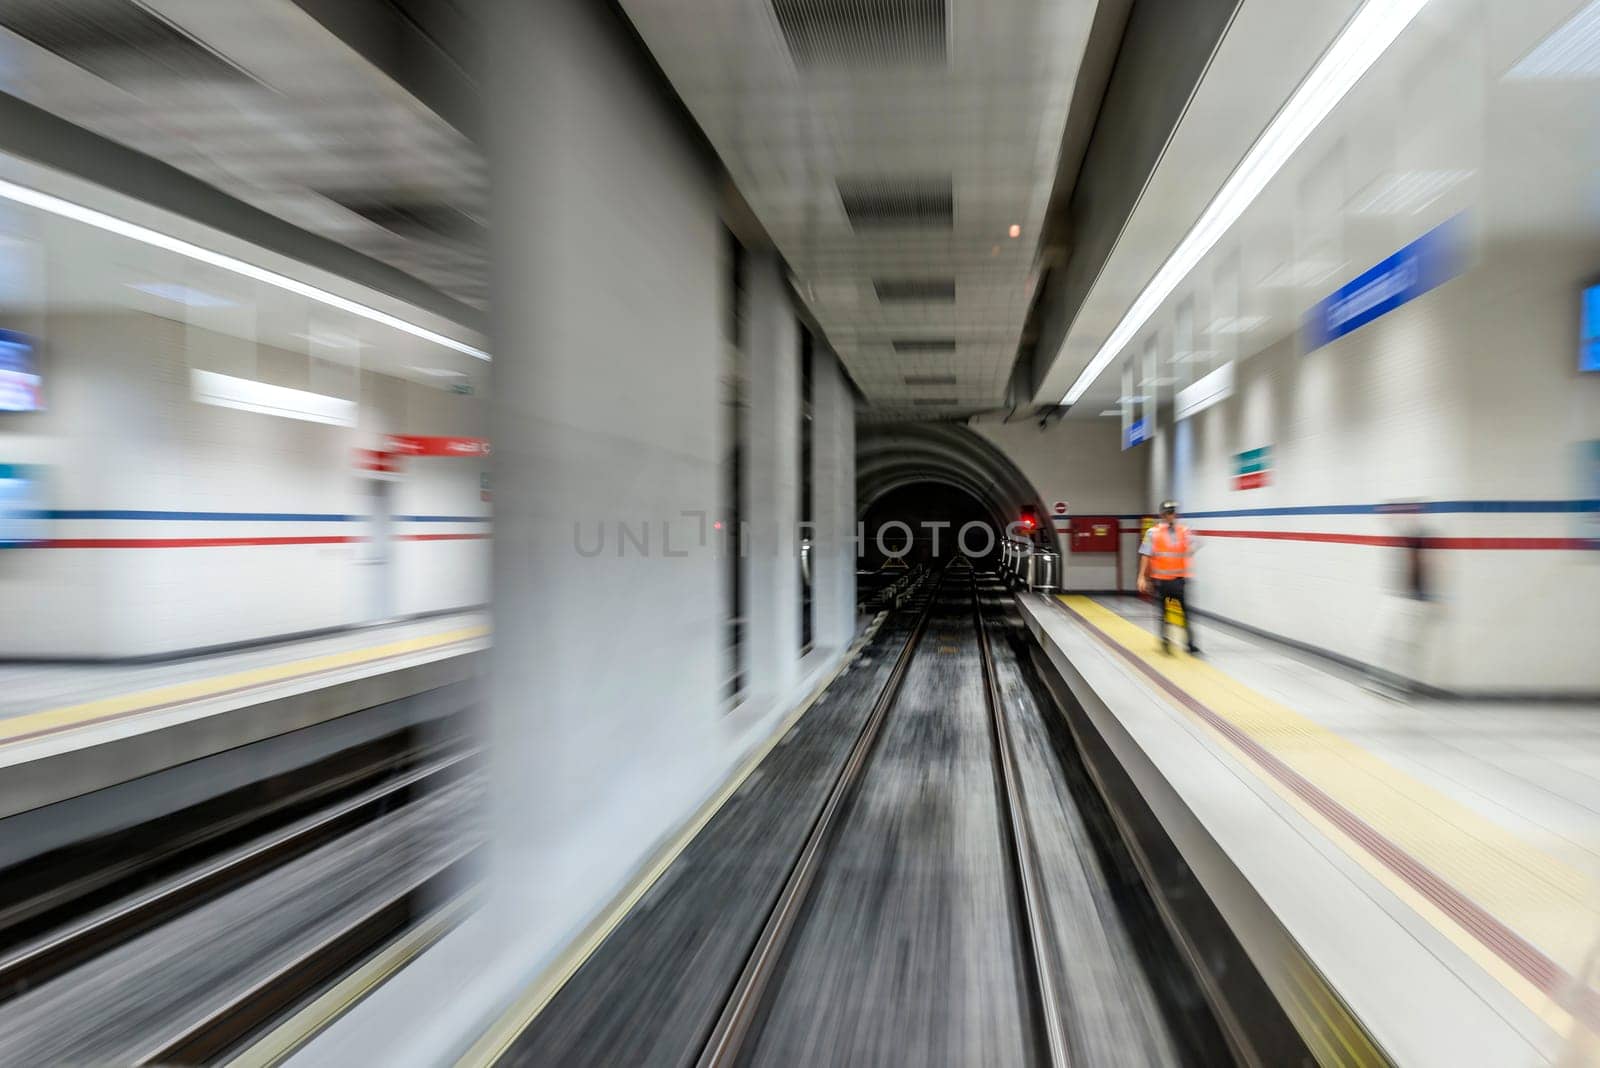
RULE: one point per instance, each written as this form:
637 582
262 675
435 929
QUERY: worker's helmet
1169 507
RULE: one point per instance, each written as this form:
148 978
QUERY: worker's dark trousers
1172 588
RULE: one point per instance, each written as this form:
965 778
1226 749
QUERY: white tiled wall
1469 393
1081 462
122 432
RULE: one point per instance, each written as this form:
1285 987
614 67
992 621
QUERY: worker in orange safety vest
1164 570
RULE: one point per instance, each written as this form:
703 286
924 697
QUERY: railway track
285 897
736 1029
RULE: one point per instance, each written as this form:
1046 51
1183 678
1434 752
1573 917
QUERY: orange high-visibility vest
1169 552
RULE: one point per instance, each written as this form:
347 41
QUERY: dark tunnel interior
935 515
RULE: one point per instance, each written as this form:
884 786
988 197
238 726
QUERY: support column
772 568
834 479
604 701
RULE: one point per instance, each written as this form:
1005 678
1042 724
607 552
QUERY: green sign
1252 460
1251 468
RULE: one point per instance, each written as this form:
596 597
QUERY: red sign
1094 534
1252 480
375 460
419 445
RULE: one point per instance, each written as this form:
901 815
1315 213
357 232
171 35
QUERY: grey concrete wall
604 682
608 728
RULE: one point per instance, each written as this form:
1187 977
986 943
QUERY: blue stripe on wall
206 517
243 517
1428 507
444 518
1570 507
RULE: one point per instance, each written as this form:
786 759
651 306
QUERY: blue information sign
1137 433
1428 262
1589 350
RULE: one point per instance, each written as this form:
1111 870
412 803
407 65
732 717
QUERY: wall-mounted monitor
19 373
1589 350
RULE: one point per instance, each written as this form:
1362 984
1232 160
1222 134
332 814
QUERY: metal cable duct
897 455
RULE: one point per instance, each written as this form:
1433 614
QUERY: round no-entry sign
1059 508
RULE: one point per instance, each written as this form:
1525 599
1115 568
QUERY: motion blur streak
996 532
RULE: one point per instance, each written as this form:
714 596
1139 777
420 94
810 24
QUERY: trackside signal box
1094 534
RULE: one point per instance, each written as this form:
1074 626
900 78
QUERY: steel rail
1030 887
46 957
744 1003
251 1007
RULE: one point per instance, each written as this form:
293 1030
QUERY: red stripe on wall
1396 542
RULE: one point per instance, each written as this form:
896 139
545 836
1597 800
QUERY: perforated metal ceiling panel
846 34
888 146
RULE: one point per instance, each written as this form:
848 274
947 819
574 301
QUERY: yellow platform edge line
509 1026
78 715
1546 1009
1502 872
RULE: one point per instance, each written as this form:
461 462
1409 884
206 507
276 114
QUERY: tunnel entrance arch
892 458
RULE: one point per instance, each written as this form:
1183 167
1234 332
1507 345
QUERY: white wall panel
124 434
1469 393
1083 463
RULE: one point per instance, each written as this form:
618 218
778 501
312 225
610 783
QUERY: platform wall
1467 400
138 475
1082 463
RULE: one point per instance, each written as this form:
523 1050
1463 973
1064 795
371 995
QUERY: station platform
1435 863
113 722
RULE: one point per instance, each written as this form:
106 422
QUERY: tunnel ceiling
889 457
888 148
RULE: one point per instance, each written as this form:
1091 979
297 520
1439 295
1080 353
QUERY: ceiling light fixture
1112 411
331 341
1296 274
439 372
1405 193
1365 37
66 209
1016 230
248 395
181 294
1235 324
1571 52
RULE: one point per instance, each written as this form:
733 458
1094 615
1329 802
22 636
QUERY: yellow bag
1175 612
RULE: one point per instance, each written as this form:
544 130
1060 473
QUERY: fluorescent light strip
178 294
1406 193
248 395
1239 324
1366 37
1572 52
55 205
